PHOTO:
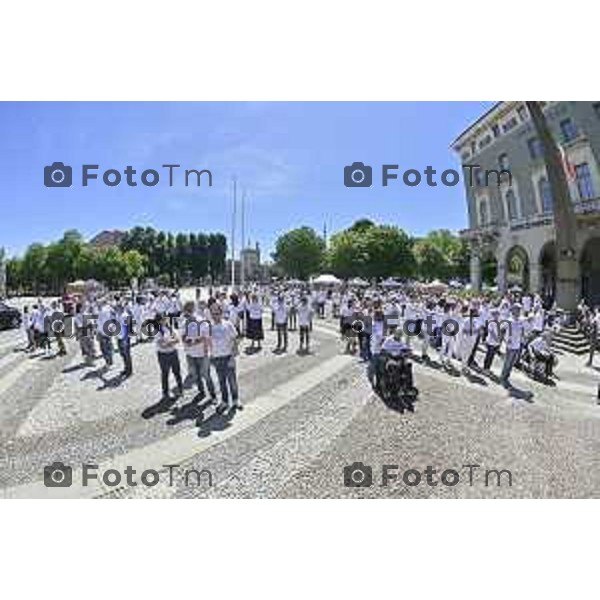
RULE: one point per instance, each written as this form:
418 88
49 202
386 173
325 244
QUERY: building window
596 107
568 130
511 205
535 148
522 112
485 141
510 124
496 130
545 193
503 161
483 213
584 181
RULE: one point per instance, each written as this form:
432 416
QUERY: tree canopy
300 252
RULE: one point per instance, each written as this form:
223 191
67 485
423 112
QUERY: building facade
511 222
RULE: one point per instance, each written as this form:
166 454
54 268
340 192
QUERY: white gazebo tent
327 279
358 282
390 283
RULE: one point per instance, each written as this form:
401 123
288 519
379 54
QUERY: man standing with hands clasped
224 350
196 342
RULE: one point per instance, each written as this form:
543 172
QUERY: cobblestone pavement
306 418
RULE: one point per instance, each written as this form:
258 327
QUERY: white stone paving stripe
186 444
13 375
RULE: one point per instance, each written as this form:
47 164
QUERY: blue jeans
509 363
226 372
200 367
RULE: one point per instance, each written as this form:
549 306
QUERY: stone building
512 223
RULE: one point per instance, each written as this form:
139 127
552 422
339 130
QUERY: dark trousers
593 346
490 353
226 372
364 345
474 351
169 361
125 352
282 336
106 348
292 317
547 361
304 335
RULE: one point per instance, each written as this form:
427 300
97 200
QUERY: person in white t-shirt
281 321
196 344
254 323
493 339
166 341
514 341
377 337
223 352
305 315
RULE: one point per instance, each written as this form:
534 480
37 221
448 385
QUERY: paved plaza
305 418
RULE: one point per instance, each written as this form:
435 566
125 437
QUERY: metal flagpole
233 217
243 247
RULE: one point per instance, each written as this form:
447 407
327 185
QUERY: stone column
535 278
501 277
475 270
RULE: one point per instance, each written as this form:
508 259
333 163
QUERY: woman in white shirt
254 325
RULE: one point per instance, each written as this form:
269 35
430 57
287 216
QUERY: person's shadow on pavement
216 422
162 406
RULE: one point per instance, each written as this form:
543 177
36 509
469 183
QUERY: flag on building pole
567 166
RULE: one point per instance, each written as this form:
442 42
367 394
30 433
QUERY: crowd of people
374 323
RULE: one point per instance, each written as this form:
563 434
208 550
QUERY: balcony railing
587 207
582 208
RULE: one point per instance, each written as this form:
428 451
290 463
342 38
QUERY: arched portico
516 267
547 268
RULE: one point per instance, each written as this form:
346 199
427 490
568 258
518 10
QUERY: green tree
14 274
442 254
34 265
300 252
134 264
431 261
371 251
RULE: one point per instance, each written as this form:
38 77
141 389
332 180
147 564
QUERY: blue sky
289 157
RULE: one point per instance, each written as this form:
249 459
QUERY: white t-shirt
281 314
493 333
164 334
514 334
223 339
393 346
255 310
376 336
304 315
195 333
